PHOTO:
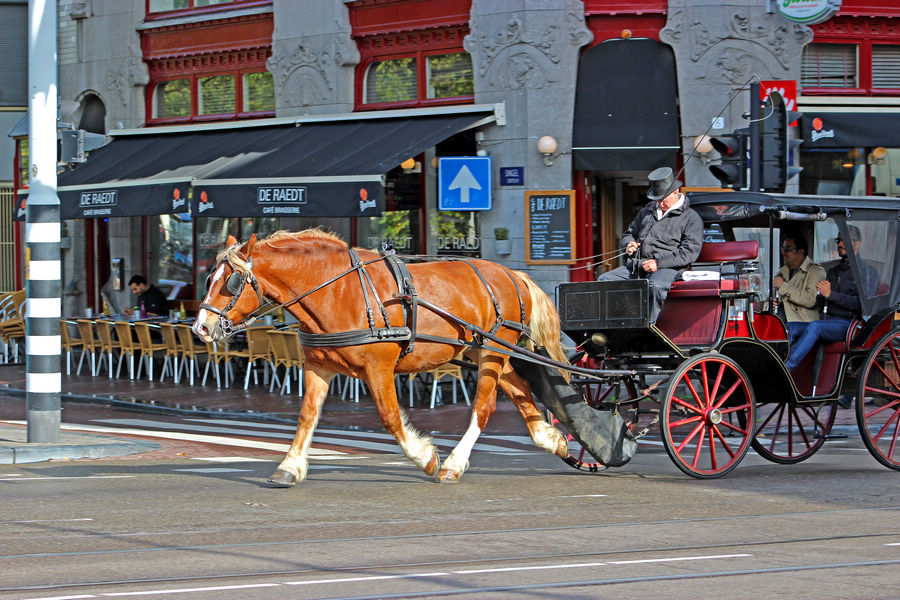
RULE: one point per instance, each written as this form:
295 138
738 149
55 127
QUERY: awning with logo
626 114
850 130
328 166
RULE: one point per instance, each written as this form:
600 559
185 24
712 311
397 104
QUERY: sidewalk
256 403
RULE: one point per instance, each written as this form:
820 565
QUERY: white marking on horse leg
296 461
546 436
458 461
416 446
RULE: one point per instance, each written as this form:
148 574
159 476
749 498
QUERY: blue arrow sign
464 183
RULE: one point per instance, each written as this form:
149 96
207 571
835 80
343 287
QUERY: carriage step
831 436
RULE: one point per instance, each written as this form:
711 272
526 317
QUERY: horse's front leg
483 406
296 462
416 447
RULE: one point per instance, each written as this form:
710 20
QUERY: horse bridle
235 285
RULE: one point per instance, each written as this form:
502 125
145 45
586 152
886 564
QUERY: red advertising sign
787 89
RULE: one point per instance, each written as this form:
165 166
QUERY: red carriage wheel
789 433
707 416
878 401
598 394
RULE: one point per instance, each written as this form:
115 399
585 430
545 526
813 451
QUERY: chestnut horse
340 296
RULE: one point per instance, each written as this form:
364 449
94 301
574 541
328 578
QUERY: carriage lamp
547 146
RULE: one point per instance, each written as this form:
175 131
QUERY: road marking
381 442
367 578
893 544
71 477
218 588
46 521
230 459
215 470
191 437
675 559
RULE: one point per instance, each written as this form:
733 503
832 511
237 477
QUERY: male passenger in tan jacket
796 284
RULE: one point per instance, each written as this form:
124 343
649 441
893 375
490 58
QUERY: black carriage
711 370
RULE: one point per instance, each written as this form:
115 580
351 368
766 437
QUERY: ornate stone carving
307 75
729 42
520 55
132 73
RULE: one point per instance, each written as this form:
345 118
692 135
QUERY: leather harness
406 292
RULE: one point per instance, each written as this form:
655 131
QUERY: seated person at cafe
796 285
839 299
149 297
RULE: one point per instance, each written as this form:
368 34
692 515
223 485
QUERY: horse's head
232 295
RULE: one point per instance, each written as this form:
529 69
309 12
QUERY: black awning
848 130
320 168
626 114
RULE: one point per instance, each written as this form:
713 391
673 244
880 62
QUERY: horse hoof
562 449
446 476
433 465
283 479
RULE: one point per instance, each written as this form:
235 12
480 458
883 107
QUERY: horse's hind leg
415 446
294 466
544 435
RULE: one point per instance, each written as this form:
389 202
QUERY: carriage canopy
874 219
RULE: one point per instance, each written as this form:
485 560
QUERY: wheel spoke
690 385
718 382
699 448
802 432
675 424
728 393
705 379
887 424
781 409
690 436
885 373
724 443
685 404
882 391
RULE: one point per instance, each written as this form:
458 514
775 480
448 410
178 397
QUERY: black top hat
662 183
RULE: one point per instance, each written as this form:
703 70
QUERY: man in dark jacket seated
149 297
663 240
839 300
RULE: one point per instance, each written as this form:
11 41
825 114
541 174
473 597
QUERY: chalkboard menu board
548 227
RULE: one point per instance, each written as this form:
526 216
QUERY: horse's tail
544 322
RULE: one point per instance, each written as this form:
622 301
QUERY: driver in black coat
663 240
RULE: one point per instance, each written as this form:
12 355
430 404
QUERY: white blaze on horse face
203 314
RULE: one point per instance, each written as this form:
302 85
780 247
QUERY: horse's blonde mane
239 263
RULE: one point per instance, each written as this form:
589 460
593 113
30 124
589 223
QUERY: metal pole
42 232
755 140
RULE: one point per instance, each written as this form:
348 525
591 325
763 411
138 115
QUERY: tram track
496 562
400 536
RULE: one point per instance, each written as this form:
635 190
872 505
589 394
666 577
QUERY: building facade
620 86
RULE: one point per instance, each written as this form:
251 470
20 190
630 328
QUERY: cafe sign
808 12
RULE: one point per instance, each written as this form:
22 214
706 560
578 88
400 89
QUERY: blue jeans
660 282
829 330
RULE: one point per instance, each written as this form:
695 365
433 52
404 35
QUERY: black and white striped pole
42 232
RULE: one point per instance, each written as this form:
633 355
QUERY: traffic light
732 147
777 144
76 143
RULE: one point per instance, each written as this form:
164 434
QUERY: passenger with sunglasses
839 299
796 283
